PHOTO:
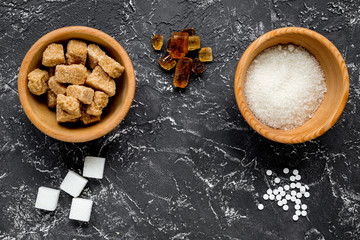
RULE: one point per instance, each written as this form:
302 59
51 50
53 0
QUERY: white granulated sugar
284 86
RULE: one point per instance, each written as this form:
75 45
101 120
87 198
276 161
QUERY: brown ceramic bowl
44 119
336 77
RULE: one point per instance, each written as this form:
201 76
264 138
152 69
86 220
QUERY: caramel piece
76 52
56 87
179 44
182 72
100 80
190 31
157 41
111 67
94 54
101 100
51 99
205 54
74 74
37 81
198 67
62 116
88 119
69 104
81 93
167 62
194 43
53 55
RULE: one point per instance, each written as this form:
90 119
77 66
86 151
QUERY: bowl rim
96 133
278 135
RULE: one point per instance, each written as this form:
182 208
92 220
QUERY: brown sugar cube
74 74
76 52
111 67
100 80
51 99
88 119
62 116
56 87
53 55
82 93
101 100
37 81
69 104
94 54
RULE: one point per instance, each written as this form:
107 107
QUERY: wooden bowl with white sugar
330 107
44 119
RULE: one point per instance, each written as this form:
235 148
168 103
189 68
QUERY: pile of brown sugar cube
76 91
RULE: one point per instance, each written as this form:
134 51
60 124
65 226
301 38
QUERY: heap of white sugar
284 86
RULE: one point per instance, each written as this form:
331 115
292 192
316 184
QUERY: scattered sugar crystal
94 167
260 206
47 198
277 180
268 172
274 76
73 183
286 170
81 209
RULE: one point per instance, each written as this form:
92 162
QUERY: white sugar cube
80 209
94 167
47 198
73 183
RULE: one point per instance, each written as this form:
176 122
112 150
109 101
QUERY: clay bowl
336 77
44 119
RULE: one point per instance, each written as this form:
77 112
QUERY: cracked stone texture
182 164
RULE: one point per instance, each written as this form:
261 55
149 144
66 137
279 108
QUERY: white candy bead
286 170
286 207
303 213
298 177
286 187
266 197
292 178
306 194
298 195
304 207
268 172
260 207
277 180
269 191
297 207
292 185
296 172
295 218
271 197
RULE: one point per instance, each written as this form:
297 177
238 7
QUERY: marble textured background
182 164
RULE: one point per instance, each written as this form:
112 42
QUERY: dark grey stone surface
182 164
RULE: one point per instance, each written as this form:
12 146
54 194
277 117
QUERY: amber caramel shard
194 43
111 67
56 87
69 104
167 62
157 41
198 67
190 31
182 72
81 93
51 99
74 74
62 116
94 55
205 54
179 44
37 81
100 80
88 119
76 52
101 100
53 55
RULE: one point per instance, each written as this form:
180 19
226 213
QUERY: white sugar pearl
293 193
297 207
280 203
304 207
296 172
269 191
266 197
293 199
298 212
293 185
280 189
278 197
284 201
275 192
298 177
277 180
295 218
271 197
298 195
260 206
286 170
268 172
282 193
287 197
286 187
292 178
298 185
307 194
303 213
286 207
302 189
298 201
